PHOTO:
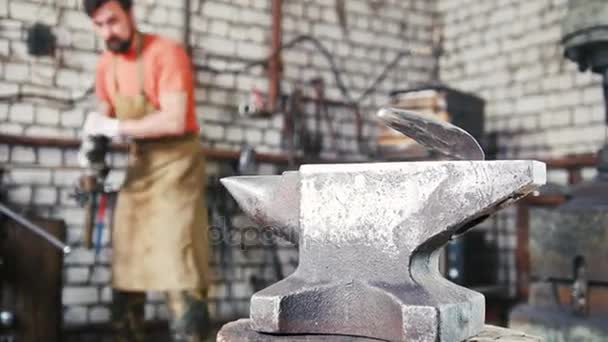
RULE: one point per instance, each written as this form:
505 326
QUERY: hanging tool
101 215
92 183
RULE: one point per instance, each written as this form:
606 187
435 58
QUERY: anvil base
241 331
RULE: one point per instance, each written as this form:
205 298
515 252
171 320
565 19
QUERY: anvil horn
273 202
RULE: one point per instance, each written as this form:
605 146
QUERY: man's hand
98 124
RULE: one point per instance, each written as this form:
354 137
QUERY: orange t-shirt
167 68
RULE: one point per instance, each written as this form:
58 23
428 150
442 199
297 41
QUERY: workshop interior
303 170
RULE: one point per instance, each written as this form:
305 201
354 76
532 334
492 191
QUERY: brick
70 158
42 74
79 295
11 128
22 10
83 40
74 235
20 195
260 35
176 18
532 104
42 131
99 315
253 136
76 275
219 45
296 9
296 57
3 8
158 15
81 60
75 315
47 116
4 153
76 19
224 98
592 95
106 294
219 28
80 256
44 196
234 134
251 50
242 290
150 312
49 157
329 31
199 24
21 154
272 138
329 17
254 17
74 216
162 312
68 78
17 72
218 10
4 47
225 80
72 119
101 275
211 131
66 199
22 113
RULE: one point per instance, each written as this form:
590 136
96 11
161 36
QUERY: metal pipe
186 29
36 229
274 63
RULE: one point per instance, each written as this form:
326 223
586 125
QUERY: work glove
98 124
95 125
86 147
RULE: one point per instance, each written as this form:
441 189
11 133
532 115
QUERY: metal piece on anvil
369 241
440 136
273 202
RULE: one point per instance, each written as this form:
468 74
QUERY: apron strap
140 67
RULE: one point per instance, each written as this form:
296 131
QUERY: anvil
369 238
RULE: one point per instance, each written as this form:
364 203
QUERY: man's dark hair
90 6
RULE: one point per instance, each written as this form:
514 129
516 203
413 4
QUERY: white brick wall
224 35
510 54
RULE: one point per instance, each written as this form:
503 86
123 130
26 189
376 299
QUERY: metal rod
36 229
186 28
274 64
605 89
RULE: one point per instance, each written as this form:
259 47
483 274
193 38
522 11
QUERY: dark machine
569 274
24 256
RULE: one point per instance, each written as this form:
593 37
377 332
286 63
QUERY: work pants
189 316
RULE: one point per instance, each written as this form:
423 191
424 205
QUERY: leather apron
159 235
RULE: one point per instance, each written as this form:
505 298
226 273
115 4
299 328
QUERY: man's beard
118 45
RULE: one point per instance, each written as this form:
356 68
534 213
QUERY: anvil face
369 236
